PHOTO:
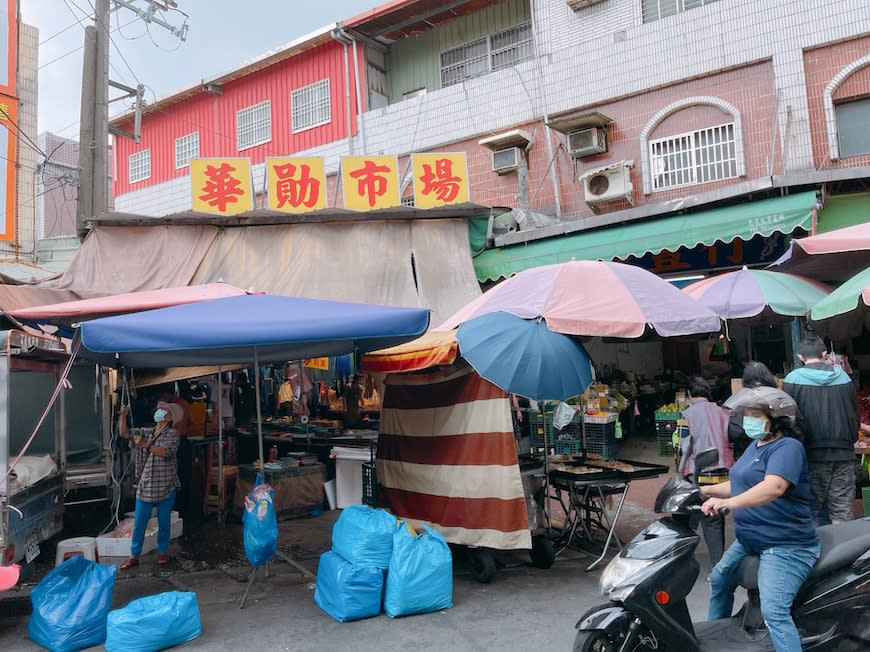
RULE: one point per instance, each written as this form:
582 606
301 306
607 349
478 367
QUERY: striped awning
430 350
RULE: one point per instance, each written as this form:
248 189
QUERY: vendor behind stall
353 402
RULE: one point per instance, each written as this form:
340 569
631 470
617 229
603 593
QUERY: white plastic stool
84 546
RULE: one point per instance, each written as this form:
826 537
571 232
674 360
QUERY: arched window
846 122
702 155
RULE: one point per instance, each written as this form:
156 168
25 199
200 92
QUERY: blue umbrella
523 356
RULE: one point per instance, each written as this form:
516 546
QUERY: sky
222 36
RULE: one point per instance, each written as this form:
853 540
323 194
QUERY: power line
67 28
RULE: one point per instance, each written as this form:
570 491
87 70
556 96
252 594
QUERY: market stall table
582 490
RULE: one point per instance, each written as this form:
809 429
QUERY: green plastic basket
865 495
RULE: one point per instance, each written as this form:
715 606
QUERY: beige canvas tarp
393 262
119 259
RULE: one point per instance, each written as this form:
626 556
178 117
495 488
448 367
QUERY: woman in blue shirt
770 497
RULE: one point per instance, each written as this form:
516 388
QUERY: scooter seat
841 544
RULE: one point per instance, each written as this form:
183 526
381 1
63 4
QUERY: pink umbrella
69 312
594 298
832 256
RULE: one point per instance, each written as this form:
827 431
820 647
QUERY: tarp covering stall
447 456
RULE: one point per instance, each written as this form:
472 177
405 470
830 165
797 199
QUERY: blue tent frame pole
220 393
259 411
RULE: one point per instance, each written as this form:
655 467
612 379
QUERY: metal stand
251 576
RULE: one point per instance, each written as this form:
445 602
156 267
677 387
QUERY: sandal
130 563
163 559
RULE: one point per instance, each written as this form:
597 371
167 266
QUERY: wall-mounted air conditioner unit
506 160
577 5
608 183
587 142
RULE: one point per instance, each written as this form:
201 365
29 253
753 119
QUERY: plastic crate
865 495
608 451
666 448
566 446
369 484
667 416
665 427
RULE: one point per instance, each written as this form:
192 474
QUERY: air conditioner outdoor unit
587 142
577 5
608 183
506 160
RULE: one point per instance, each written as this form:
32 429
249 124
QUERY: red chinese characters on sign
370 182
221 186
440 179
296 185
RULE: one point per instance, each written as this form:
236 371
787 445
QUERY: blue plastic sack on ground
346 591
420 578
364 536
70 605
260 524
153 623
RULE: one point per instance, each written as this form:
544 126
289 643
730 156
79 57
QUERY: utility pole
93 195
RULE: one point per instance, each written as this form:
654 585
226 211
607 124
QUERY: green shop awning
763 217
844 210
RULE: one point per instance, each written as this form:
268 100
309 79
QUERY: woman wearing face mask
154 455
770 497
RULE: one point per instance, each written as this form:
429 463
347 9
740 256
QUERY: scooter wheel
594 641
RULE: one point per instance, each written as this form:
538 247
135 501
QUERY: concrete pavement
522 608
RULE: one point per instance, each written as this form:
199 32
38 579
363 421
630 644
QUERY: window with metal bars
493 52
186 148
696 157
139 165
656 9
309 106
254 125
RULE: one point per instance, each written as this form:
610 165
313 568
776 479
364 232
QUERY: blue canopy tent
246 329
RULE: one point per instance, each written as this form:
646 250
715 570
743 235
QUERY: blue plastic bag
346 591
364 536
70 605
420 578
260 524
154 623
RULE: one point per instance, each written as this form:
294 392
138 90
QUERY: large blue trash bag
70 605
346 591
364 536
153 623
420 578
260 524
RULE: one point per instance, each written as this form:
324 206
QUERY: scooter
647 584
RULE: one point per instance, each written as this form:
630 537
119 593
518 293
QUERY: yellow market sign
440 179
221 186
370 182
296 185
317 363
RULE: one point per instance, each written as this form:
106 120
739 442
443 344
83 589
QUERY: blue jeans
781 573
140 523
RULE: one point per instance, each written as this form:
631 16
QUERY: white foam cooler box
110 546
348 474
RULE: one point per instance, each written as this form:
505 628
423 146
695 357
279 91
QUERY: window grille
253 125
656 9
186 148
492 52
696 157
310 106
140 165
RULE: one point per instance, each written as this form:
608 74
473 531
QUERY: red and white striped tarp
447 456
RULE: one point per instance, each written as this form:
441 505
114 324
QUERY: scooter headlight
617 572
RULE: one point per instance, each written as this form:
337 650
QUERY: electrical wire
67 28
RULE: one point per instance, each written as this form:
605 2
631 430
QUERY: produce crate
667 416
566 446
369 484
865 495
666 447
608 451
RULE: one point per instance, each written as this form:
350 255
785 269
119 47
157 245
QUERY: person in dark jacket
755 374
828 420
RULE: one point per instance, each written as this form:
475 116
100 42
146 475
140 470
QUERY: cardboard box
109 546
